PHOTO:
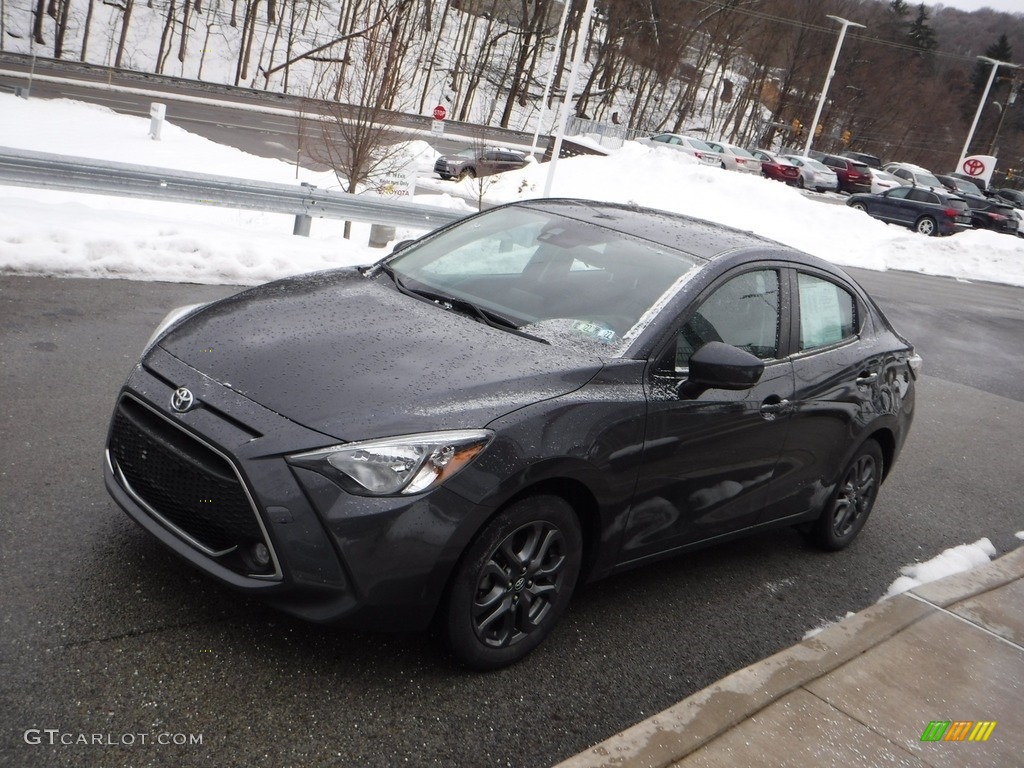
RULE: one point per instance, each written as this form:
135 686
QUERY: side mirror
717 365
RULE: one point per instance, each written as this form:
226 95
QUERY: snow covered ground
78 235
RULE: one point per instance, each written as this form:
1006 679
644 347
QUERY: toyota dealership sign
978 167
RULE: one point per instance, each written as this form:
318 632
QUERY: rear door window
828 312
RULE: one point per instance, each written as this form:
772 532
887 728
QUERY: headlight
397 465
172 318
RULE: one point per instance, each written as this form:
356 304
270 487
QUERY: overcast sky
1009 6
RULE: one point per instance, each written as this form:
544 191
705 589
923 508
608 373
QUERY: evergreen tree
1000 51
921 36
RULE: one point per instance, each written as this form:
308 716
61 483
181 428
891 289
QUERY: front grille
188 486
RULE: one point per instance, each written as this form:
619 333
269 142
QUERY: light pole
828 78
551 77
981 104
563 118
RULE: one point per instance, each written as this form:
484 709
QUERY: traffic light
818 130
846 136
797 127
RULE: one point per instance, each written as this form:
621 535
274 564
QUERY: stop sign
440 112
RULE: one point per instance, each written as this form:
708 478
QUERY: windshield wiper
485 316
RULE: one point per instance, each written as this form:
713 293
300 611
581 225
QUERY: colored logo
974 167
958 730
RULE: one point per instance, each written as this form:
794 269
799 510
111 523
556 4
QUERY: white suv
915 175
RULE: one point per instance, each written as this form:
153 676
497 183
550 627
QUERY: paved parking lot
108 638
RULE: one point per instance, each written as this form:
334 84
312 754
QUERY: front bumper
371 562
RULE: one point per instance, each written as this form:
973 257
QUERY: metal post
551 77
563 118
828 79
981 104
303 220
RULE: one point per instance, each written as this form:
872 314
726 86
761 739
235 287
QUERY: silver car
813 174
736 158
696 148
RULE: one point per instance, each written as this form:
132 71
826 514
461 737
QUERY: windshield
568 282
926 179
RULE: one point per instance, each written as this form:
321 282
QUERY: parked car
473 162
915 175
919 208
883 180
991 213
959 186
871 161
853 176
735 158
1012 196
696 148
813 174
975 180
536 396
775 167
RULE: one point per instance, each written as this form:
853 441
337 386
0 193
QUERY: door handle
865 379
769 410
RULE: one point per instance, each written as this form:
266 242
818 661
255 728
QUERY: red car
774 167
854 176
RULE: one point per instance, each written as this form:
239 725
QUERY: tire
926 226
852 500
800 182
514 582
445 176
468 173
859 207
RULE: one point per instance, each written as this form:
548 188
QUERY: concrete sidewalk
864 691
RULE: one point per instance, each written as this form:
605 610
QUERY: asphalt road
106 637
234 119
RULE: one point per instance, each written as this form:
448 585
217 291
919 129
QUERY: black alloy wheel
514 582
850 504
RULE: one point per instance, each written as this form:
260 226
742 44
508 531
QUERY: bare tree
357 138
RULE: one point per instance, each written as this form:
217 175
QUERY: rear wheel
926 226
800 182
850 504
514 582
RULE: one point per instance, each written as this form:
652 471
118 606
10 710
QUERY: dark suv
854 176
921 209
473 162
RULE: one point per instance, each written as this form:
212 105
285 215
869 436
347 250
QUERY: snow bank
953 560
77 235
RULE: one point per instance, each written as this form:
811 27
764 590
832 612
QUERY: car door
891 205
707 460
836 386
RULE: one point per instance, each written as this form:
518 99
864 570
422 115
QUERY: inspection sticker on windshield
607 335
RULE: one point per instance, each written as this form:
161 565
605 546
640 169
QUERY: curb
669 736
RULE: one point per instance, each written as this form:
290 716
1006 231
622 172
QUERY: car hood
353 358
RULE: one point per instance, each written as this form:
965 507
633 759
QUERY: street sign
437 128
440 113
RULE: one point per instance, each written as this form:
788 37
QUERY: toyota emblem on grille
182 399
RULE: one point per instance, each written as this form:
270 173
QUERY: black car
992 213
1012 196
539 395
920 208
477 161
871 161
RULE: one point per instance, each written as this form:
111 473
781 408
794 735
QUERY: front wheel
514 582
468 173
850 504
926 226
859 207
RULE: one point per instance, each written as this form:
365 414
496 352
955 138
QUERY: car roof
704 239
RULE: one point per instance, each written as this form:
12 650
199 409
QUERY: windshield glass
569 282
927 180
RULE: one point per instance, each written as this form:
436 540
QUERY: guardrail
104 177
